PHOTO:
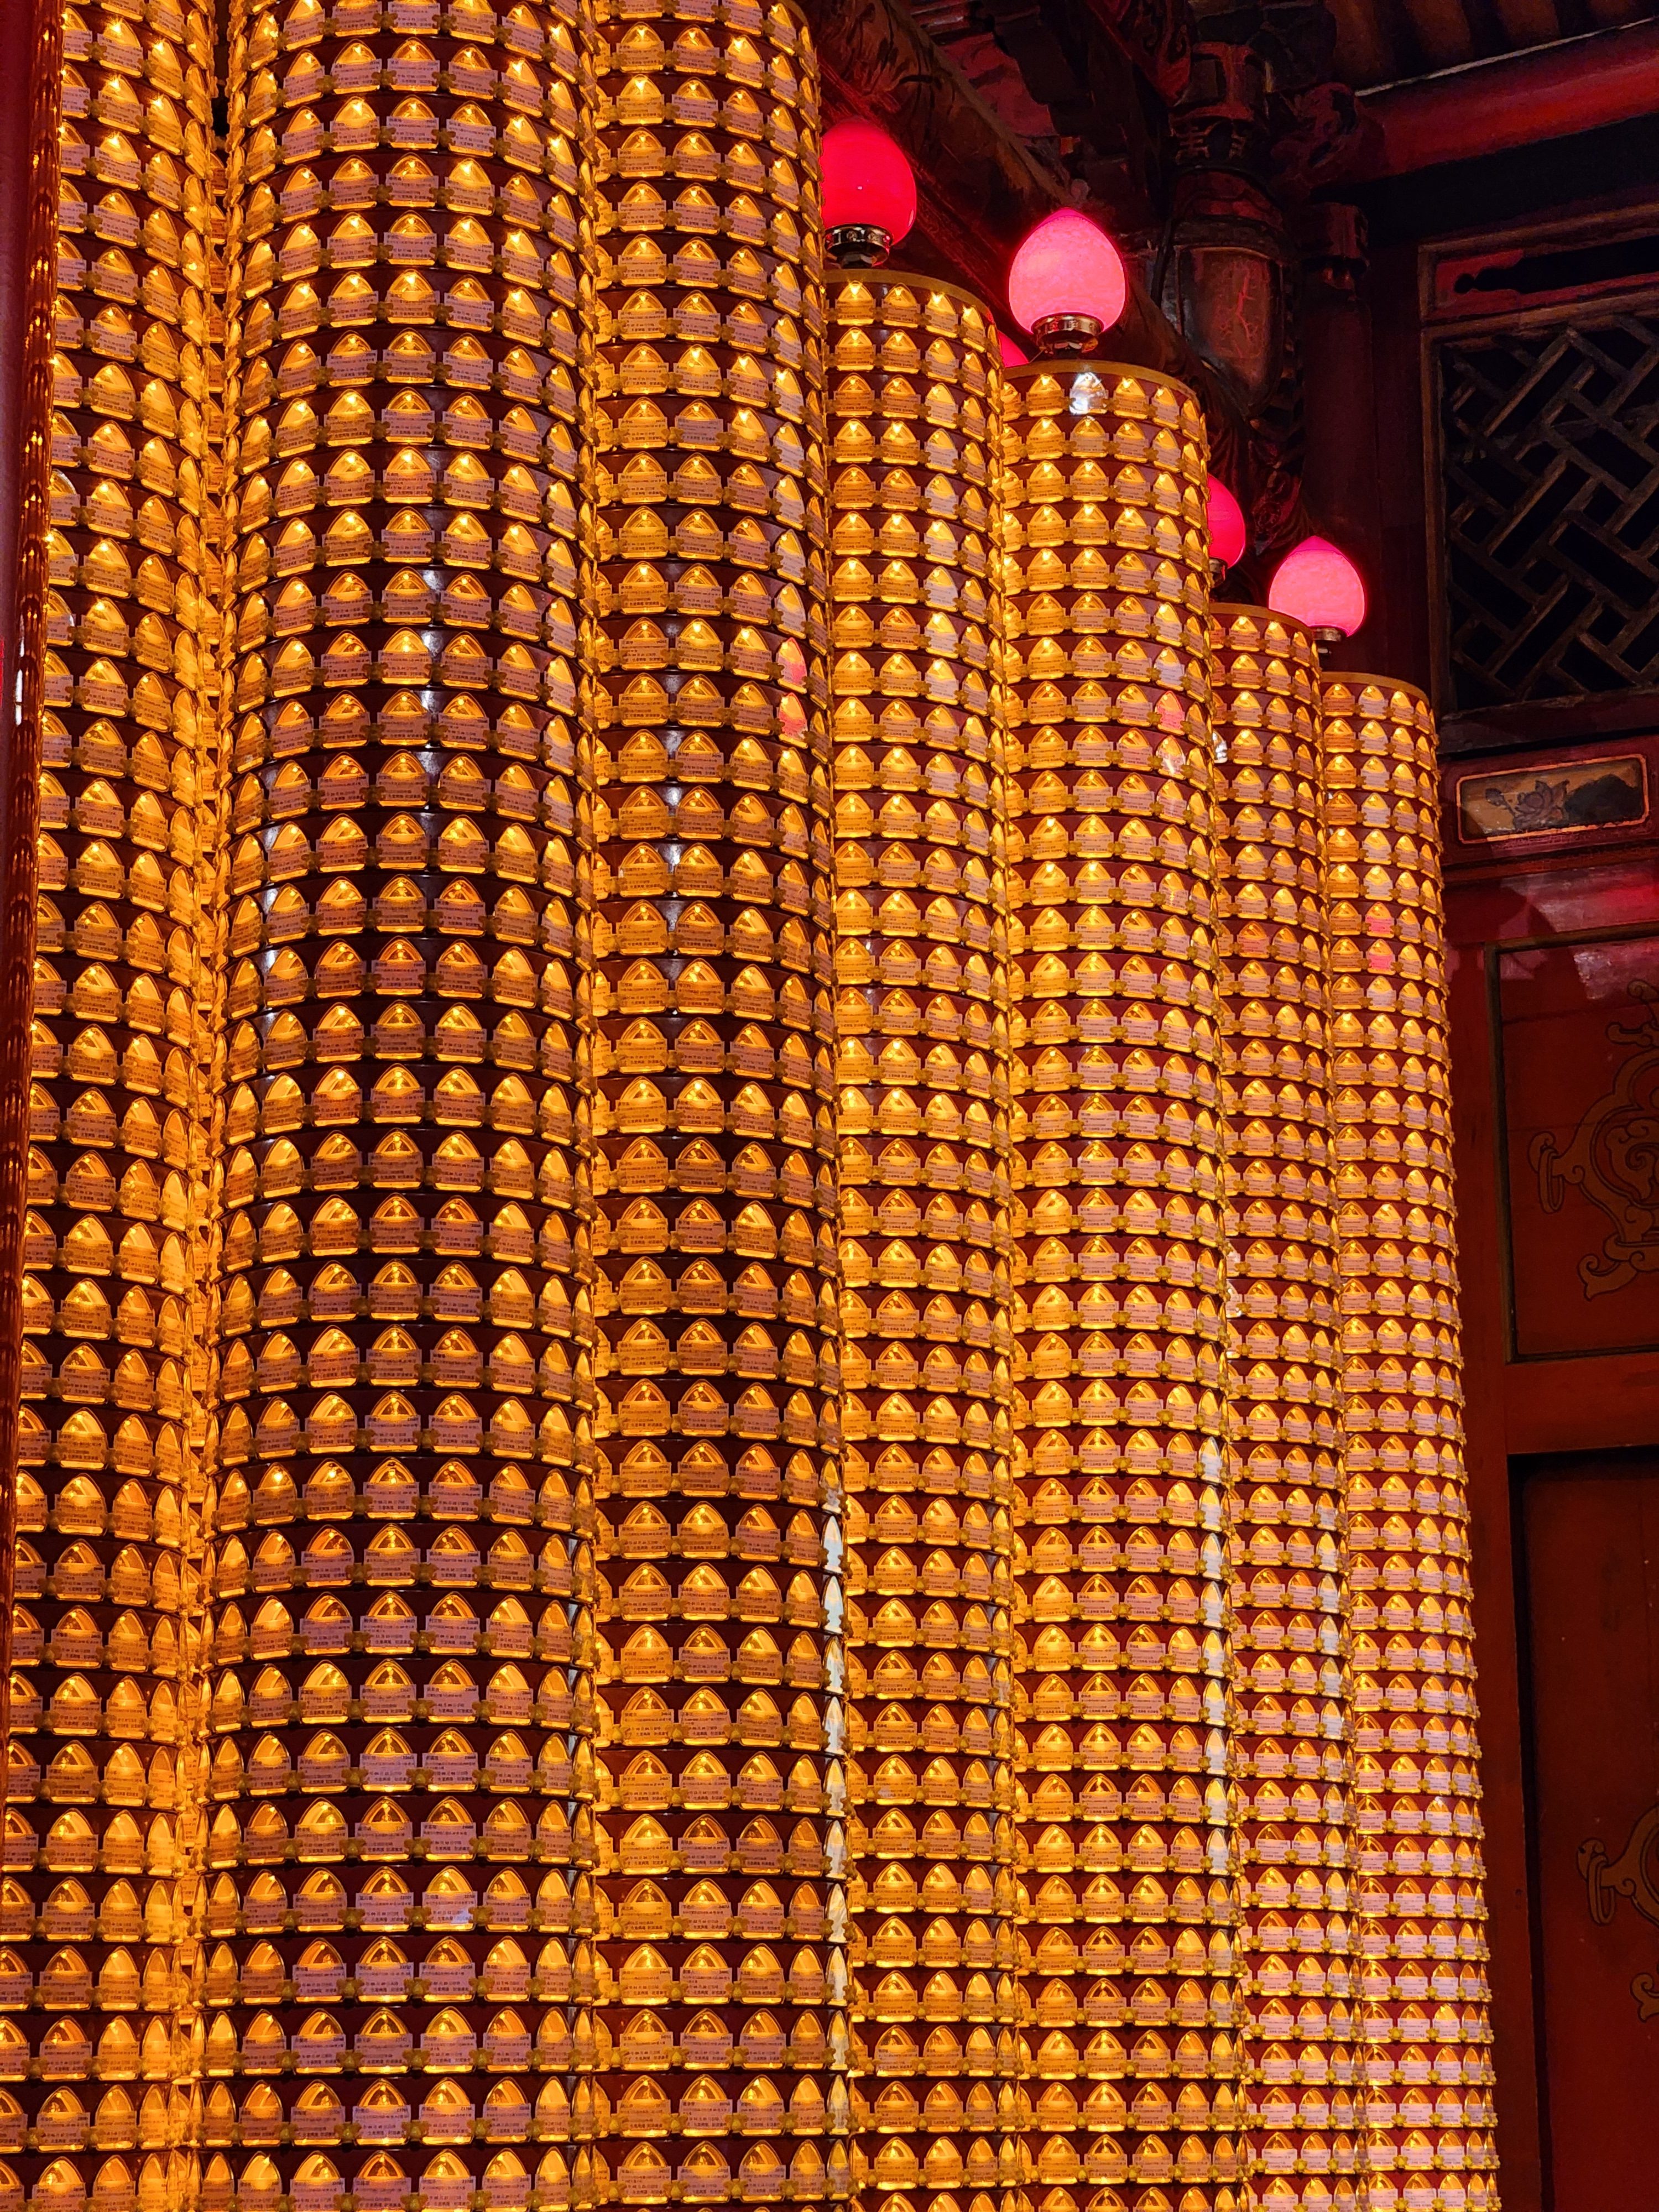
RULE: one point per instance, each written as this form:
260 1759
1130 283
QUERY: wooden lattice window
1550 465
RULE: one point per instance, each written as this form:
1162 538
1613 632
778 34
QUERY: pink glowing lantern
1068 281
1317 583
1226 520
868 187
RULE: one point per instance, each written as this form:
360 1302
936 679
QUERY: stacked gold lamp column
100 1809
205 1234
914 402
95 1937
1290 1723
740 1464
1130 2077
395 1894
1418 1875
720 2026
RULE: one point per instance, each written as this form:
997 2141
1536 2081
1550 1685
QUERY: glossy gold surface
921 1023
103 1816
1130 2058
720 2034
397 1885
1418 1897
1290 1714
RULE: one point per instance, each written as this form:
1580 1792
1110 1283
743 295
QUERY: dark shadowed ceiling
1381 41
1009 105
1378 42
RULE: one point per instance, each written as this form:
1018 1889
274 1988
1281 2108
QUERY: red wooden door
1592 1600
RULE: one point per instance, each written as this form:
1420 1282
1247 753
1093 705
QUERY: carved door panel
1591 1530
1580 1045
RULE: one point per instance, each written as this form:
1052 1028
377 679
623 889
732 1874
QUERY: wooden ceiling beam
1520 100
1157 36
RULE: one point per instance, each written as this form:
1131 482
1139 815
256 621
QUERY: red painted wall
1590 1533
1542 958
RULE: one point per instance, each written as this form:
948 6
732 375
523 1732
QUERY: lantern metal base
859 244
1058 334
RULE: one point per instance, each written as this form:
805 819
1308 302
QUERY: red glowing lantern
1067 279
1014 354
1317 583
867 183
1225 519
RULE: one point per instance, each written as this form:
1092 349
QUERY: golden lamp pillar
1122 1672
1419 1904
721 2030
396 1896
97 1954
914 377
1290 1721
